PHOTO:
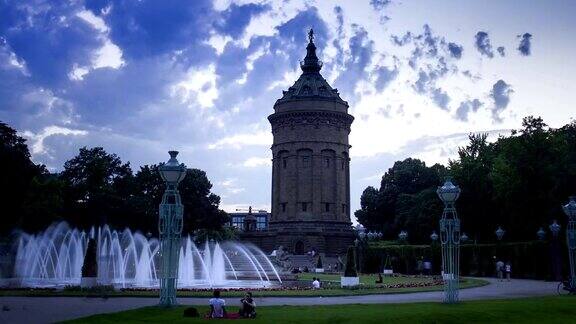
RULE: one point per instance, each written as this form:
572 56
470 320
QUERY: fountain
129 259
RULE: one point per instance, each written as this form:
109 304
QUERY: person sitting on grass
315 283
248 309
217 306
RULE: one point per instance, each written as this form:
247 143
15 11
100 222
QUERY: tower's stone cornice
317 119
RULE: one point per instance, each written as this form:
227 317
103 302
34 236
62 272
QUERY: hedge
532 259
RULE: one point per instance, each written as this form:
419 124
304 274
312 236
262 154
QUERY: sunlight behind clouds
142 77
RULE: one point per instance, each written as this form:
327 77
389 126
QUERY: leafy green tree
367 215
200 205
201 210
406 200
44 202
18 172
350 268
472 172
98 187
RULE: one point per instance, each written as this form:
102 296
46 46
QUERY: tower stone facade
311 164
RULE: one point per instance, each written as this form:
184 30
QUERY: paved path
52 309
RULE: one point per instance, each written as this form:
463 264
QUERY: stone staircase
245 268
302 261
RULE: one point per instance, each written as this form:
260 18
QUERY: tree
16 177
350 269
98 187
367 215
472 172
200 205
406 200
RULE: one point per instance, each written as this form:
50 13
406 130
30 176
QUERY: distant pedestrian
508 270
419 266
427 265
315 283
500 270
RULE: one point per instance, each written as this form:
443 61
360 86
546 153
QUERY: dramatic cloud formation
525 44
455 50
441 98
500 93
384 76
142 77
483 45
466 107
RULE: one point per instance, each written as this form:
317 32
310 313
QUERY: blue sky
142 77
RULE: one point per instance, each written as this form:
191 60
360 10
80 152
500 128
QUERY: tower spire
311 64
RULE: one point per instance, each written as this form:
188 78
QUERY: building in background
239 220
310 167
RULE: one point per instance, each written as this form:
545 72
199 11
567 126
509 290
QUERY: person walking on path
419 266
508 270
500 270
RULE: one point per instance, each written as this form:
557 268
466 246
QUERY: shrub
191 312
90 265
350 270
319 263
475 259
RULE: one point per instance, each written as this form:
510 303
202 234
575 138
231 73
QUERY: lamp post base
168 293
451 291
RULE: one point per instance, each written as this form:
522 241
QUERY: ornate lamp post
500 233
170 228
361 231
541 234
434 237
403 236
555 251
450 240
370 235
555 228
570 211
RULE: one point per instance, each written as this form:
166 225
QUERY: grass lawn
557 309
369 288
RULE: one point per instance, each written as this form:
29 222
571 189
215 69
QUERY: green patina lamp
170 228
570 211
450 240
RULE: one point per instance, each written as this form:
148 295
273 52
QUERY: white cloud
78 72
199 85
95 21
261 138
37 139
218 42
255 162
109 55
230 186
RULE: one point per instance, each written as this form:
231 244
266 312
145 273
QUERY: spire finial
311 62
311 35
